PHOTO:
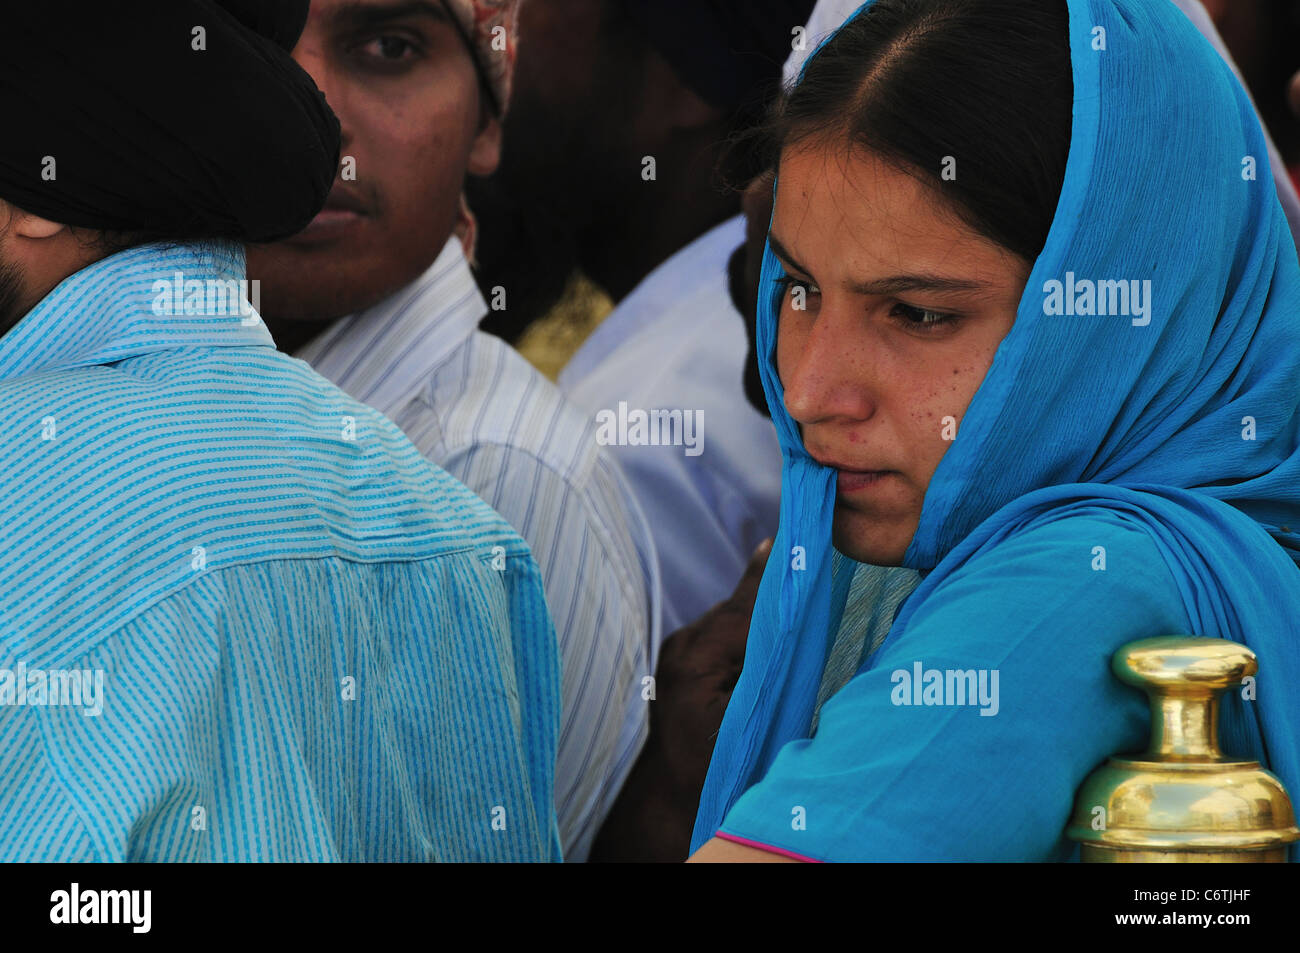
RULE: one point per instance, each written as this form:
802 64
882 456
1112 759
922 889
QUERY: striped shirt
472 405
241 618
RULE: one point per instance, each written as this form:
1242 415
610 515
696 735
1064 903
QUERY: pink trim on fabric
767 847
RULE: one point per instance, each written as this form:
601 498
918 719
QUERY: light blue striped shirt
473 405
304 641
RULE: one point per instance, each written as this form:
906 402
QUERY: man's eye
390 48
922 318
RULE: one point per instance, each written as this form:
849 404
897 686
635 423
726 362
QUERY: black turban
728 52
180 119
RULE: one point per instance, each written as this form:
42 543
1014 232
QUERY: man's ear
485 153
26 225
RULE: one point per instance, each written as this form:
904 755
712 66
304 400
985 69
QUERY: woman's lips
856 481
849 480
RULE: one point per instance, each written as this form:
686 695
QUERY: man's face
575 106
578 123
574 140
405 88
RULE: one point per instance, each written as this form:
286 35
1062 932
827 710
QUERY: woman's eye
797 291
922 318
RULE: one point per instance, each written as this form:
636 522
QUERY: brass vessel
1182 800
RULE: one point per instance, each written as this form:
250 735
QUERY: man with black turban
241 618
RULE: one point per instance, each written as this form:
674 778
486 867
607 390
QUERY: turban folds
184 119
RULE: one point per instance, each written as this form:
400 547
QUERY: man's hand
699 665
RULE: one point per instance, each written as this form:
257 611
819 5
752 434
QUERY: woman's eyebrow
901 284
891 285
783 253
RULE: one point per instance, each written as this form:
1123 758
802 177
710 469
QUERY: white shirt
476 408
677 342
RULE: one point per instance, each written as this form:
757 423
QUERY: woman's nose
829 376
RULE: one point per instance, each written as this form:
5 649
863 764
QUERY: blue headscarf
1188 424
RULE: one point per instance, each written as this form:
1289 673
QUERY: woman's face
903 307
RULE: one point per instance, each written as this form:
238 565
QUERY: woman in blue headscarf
1030 326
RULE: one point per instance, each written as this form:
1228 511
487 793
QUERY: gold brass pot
1183 800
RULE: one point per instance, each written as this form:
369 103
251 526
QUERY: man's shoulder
509 434
490 396
235 414
122 481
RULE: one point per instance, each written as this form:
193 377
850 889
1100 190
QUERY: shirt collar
146 299
382 356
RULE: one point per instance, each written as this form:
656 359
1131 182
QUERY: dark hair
987 82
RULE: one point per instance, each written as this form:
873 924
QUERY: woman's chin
869 542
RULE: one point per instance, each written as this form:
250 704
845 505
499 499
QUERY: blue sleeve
993 778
